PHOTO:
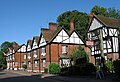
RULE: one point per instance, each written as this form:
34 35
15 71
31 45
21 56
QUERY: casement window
35 53
44 63
64 49
29 55
43 51
13 56
24 56
29 64
36 63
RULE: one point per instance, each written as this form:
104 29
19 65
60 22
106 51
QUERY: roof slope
49 34
109 22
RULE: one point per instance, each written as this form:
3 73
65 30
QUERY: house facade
15 57
104 32
54 45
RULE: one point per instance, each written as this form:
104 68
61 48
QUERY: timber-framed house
104 30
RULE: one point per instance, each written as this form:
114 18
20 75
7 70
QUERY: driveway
6 76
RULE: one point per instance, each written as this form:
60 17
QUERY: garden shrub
54 68
81 69
109 65
46 70
116 65
24 66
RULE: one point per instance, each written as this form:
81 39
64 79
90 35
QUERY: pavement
64 78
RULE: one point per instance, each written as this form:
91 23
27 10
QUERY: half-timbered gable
42 41
75 38
107 29
29 44
95 24
35 42
62 37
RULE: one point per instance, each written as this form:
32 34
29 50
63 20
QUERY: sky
20 20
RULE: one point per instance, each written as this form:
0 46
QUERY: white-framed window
36 63
13 57
43 51
44 63
29 64
24 56
35 53
64 49
29 55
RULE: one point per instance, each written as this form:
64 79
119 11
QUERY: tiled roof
36 38
15 46
49 34
110 22
29 42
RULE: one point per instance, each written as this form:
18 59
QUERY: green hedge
54 68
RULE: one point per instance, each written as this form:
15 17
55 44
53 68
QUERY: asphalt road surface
13 77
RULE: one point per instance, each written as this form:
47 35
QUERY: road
13 77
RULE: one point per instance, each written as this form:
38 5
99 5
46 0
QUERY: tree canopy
80 21
3 50
107 12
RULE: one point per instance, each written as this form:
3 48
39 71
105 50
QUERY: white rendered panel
42 41
95 25
104 31
34 45
61 37
28 48
22 49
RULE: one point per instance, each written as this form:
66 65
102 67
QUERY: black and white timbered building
104 32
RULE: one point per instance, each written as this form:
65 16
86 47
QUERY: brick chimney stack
53 26
71 25
92 14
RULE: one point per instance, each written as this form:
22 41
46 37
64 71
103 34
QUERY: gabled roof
29 42
49 34
37 39
109 22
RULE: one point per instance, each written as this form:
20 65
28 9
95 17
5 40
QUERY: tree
79 56
80 21
2 60
97 10
5 45
113 13
107 12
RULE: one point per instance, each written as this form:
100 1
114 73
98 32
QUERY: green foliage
116 64
108 12
113 13
80 21
97 10
5 45
80 69
24 66
46 70
54 68
2 61
110 66
79 56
